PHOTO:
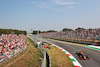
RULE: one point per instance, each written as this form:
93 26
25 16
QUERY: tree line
38 31
11 31
64 29
68 29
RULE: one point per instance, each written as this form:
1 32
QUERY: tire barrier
48 60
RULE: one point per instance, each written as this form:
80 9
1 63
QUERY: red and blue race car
82 56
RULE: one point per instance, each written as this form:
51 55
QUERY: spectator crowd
11 44
90 34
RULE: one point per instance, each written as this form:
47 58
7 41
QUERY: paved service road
93 54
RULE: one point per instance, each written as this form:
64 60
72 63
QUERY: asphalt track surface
93 54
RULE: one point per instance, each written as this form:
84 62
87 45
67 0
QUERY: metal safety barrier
46 55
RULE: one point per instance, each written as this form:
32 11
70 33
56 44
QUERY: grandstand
92 35
11 45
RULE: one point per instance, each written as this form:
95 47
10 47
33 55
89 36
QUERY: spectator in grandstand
91 34
11 43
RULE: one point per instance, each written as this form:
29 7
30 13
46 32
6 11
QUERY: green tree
11 31
24 32
66 29
43 31
79 28
51 31
36 31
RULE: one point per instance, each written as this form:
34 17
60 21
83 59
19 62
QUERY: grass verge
59 58
28 58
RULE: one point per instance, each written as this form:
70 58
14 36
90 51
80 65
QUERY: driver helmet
80 51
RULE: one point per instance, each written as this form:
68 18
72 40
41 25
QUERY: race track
93 54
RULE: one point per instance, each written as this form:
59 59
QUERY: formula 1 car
82 56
